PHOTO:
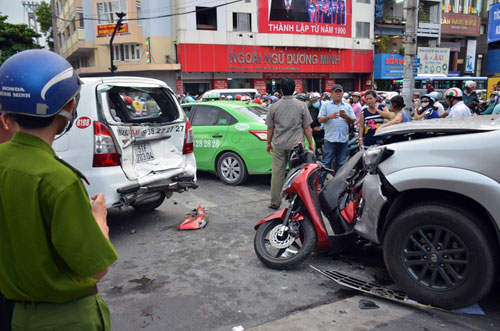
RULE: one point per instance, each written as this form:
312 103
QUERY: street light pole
410 44
117 27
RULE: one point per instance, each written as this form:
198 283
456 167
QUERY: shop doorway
239 83
196 88
347 84
312 85
273 85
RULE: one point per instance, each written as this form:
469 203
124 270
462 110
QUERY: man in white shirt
458 108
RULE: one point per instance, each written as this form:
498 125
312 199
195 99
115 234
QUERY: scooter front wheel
281 250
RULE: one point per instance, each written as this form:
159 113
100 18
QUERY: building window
62 40
362 29
139 12
206 18
363 1
73 23
127 52
106 11
80 23
479 64
242 22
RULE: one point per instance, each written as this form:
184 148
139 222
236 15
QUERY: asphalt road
211 279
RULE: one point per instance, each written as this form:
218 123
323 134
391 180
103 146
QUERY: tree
44 18
15 38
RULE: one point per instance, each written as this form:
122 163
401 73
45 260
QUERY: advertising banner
470 59
388 66
220 83
105 29
494 23
329 84
313 17
434 61
179 86
240 58
260 85
460 24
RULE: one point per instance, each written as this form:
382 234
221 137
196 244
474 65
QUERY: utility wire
153 17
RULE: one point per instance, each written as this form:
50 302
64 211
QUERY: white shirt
459 110
440 107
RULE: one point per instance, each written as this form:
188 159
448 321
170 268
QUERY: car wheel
439 255
231 169
150 203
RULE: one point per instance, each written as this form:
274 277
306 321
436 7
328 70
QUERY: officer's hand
100 212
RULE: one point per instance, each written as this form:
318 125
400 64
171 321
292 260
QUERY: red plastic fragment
195 221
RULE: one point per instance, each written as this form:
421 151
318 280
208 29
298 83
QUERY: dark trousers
6 308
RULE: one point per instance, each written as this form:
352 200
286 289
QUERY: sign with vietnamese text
460 24
220 84
260 85
105 29
313 17
388 66
494 23
434 61
241 58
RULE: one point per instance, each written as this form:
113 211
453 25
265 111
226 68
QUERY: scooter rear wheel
284 252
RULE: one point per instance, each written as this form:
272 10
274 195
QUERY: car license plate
143 153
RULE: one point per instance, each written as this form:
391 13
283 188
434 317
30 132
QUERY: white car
217 93
131 140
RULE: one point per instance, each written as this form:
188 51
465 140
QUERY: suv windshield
257 113
128 104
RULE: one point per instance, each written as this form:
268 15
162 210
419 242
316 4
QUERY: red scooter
315 220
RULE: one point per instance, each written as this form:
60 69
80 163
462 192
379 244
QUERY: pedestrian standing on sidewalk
287 122
336 117
371 118
54 244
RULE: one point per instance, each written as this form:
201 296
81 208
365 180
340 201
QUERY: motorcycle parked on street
315 220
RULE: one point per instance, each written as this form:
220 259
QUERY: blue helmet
37 83
257 95
430 96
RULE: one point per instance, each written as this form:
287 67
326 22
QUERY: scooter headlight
289 181
373 156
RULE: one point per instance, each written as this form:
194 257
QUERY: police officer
54 244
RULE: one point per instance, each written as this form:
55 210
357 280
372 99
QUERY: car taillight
188 139
105 154
262 135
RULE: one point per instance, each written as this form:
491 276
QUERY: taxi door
210 128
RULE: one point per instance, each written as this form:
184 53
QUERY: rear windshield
128 104
257 113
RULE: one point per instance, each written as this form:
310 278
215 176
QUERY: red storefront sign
298 85
315 17
237 58
220 83
329 84
260 85
105 29
179 86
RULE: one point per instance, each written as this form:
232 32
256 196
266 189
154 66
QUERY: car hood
445 125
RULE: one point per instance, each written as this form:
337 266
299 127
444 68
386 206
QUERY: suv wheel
440 256
150 203
231 169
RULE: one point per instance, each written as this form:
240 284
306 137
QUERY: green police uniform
50 243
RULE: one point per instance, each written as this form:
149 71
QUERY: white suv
131 140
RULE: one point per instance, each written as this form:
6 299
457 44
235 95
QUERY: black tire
439 255
150 203
231 169
268 254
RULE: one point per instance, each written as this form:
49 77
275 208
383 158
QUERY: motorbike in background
315 220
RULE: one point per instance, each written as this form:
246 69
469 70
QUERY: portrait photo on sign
312 11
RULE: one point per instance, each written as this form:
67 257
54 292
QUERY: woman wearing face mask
318 133
492 102
427 110
370 119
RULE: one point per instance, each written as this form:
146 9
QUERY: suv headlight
290 179
373 156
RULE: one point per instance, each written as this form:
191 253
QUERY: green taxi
230 139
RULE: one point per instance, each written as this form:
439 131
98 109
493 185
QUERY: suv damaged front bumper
137 192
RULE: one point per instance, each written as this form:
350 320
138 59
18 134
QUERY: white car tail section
105 153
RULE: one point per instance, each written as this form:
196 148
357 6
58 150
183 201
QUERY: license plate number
143 153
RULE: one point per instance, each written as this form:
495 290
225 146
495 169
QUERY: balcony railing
431 30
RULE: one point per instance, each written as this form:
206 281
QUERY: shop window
240 83
127 52
106 11
362 29
206 18
242 22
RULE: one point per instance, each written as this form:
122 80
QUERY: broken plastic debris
475 309
367 304
238 328
197 220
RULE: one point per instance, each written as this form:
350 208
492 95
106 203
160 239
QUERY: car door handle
217 136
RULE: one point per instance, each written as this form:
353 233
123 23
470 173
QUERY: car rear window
128 104
257 113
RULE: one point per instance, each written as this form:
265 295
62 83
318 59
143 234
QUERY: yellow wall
492 81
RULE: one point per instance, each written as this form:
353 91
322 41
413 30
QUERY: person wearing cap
336 116
287 122
415 99
54 242
397 105
356 104
428 110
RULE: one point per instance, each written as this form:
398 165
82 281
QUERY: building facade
198 45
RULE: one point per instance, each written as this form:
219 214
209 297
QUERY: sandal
273 206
